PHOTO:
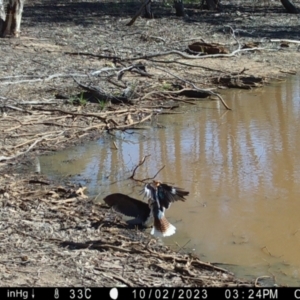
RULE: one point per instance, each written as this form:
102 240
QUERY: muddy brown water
242 168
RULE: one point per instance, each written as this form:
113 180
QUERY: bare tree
179 8
210 4
2 16
289 6
10 22
148 11
213 4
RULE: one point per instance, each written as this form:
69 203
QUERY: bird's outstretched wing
128 206
165 193
172 193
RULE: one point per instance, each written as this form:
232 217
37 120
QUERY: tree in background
216 5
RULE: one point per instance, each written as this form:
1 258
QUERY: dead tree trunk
148 11
179 7
289 6
11 22
213 4
2 16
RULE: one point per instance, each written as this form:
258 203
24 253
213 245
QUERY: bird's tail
162 228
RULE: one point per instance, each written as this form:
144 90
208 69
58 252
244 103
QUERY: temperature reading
80 293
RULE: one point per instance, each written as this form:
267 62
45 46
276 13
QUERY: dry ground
78 71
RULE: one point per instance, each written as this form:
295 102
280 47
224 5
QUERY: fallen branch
196 88
184 55
72 113
4 158
285 41
134 123
176 52
99 94
42 78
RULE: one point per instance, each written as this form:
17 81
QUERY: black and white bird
160 196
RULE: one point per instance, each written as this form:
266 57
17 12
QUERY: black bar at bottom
148 293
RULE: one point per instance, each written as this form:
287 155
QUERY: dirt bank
78 71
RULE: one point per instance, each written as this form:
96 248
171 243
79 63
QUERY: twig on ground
256 284
21 153
285 41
